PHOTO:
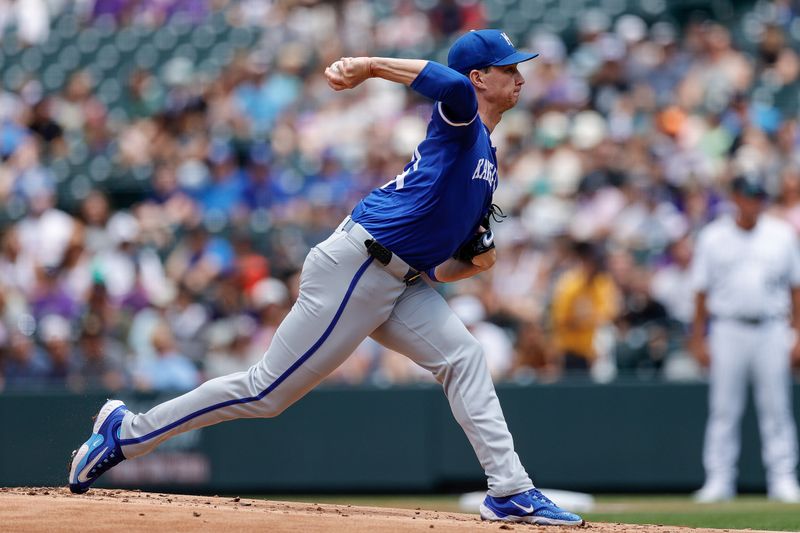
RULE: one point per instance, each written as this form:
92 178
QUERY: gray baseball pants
345 296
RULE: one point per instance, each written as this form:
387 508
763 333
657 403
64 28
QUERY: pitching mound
55 509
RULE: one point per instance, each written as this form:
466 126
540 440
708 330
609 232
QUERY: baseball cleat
101 451
714 492
784 491
530 506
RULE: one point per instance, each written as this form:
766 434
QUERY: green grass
746 512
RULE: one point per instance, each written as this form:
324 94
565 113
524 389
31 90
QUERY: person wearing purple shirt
50 297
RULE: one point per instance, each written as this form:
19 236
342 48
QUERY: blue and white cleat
530 506
101 451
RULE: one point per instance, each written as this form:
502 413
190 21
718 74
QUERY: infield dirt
55 509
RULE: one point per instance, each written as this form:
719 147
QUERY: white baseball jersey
747 274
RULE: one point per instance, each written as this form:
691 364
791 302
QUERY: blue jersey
436 204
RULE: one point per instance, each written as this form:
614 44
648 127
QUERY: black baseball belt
390 261
750 320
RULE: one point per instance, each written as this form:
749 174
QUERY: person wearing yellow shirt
585 298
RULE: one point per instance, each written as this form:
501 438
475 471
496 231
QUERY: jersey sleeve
456 102
431 272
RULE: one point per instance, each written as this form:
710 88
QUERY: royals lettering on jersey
437 202
486 171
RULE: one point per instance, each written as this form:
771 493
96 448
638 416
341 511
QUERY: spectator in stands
74 270
56 334
671 284
17 269
188 318
25 365
222 196
643 329
95 212
50 132
585 300
77 107
45 231
495 342
788 204
230 352
170 370
51 297
270 301
199 259
31 18
625 137
100 360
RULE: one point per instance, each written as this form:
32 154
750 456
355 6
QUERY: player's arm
697 340
700 276
430 79
349 72
796 325
794 285
455 269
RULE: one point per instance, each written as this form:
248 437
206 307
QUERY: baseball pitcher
366 279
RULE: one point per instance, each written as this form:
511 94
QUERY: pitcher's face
503 85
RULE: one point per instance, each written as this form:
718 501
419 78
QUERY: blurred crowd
619 151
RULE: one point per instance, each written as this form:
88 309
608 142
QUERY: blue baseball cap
483 48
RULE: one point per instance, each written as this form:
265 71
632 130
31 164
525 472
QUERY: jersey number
400 180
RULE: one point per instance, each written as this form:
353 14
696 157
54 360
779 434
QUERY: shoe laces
535 494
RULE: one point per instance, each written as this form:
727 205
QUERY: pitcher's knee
268 408
467 358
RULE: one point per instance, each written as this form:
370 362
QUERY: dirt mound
56 509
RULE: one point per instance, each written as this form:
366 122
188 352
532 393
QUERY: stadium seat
165 39
53 77
146 57
202 37
108 57
100 168
109 91
494 10
89 40
31 59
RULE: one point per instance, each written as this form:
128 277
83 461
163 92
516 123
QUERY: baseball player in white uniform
746 272
365 280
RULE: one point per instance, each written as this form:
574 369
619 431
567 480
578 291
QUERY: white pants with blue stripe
346 296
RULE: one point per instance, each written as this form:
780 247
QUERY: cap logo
506 38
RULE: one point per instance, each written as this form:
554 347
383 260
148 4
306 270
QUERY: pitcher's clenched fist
348 72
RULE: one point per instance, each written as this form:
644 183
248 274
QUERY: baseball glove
481 242
478 244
